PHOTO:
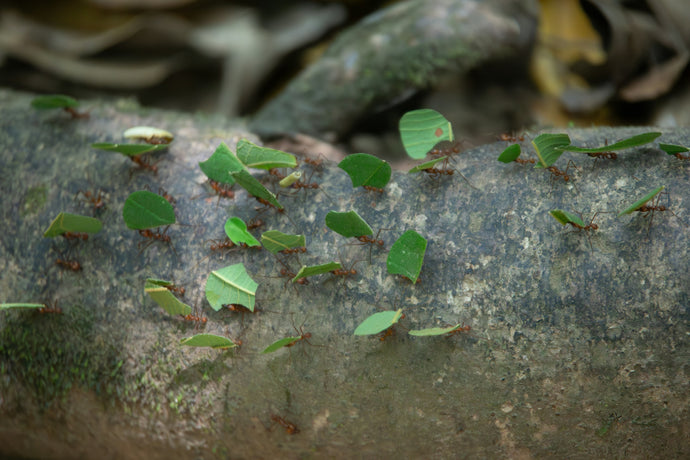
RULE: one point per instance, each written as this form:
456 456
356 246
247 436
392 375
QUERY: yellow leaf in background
567 31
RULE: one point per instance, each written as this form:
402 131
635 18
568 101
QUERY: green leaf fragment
275 241
421 130
254 187
549 147
407 255
254 156
313 270
378 322
672 149
158 291
642 201
8 306
149 133
144 209
435 330
634 141
130 150
220 165
365 169
426 165
53 101
348 224
565 217
236 230
278 344
510 154
208 340
231 284
290 179
66 222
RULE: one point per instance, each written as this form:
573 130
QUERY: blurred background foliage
591 62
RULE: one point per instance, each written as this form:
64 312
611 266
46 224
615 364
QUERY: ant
76 236
419 280
237 308
222 190
254 223
164 193
179 290
390 332
139 161
556 173
370 188
511 137
449 150
586 228
50 308
196 318
154 236
680 156
366 239
648 209
96 200
224 244
525 161
461 329
297 250
275 172
290 427
603 155
444 170
69 264
314 163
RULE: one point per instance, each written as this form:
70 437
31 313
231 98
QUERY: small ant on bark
196 318
93 198
369 188
290 428
76 236
179 290
511 137
50 307
222 190
143 164
73 265
154 236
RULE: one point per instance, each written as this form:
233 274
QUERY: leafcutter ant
296 250
222 190
73 265
154 236
179 290
445 170
590 227
445 148
95 199
650 209
391 331
369 188
511 137
75 114
143 164
75 236
525 161
366 239
286 272
196 318
290 428
50 307
254 223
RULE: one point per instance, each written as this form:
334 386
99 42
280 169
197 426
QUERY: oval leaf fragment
130 150
634 141
220 164
407 255
549 147
290 179
348 224
231 284
149 134
510 154
144 209
641 202
435 330
236 230
208 340
254 156
157 290
313 270
66 222
53 101
426 165
365 169
673 149
278 344
276 241
565 217
421 130
378 322
254 187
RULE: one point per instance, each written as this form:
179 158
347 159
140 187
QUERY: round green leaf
208 340
378 322
510 154
549 148
130 150
7 306
237 231
254 187
66 222
53 101
672 149
254 156
421 130
313 270
276 241
157 290
278 344
426 165
231 285
565 217
406 255
348 224
641 202
144 209
219 165
365 169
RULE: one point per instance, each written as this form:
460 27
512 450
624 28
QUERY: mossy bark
574 351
